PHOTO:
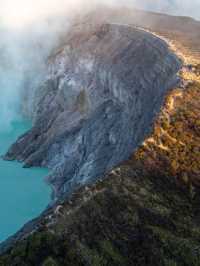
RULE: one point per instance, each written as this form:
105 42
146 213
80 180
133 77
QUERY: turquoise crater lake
23 192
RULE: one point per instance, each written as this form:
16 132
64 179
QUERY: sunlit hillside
175 144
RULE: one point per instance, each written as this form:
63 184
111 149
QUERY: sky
175 7
19 12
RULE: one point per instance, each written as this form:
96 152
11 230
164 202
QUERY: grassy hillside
174 146
134 217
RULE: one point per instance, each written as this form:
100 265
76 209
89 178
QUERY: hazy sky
176 7
17 12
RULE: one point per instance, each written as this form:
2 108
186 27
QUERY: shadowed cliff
97 103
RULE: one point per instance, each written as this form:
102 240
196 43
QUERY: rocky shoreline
97 104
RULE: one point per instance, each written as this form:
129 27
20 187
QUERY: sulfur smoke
31 29
28 33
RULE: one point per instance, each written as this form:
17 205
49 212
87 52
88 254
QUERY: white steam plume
28 32
29 29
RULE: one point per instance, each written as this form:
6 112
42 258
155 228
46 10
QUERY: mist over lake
23 192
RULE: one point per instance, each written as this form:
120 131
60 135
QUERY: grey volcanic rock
97 103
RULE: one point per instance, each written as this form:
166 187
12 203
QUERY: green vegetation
176 145
133 217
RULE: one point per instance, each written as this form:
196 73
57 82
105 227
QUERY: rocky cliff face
96 104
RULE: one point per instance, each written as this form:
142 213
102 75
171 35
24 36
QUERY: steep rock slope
96 104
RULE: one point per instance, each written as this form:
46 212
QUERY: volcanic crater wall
96 104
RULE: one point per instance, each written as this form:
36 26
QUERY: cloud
21 12
30 29
28 34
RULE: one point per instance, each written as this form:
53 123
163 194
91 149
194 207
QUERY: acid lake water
23 192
